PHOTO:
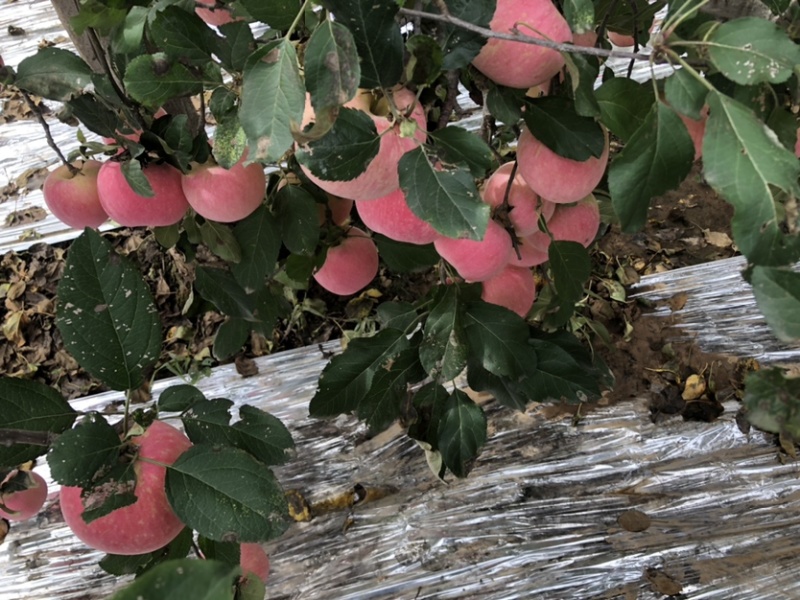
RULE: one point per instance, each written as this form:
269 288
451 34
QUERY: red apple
339 210
26 503
587 39
392 217
349 266
797 144
577 222
520 65
126 207
554 177
620 39
532 251
225 195
696 129
380 177
524 202
477 260
216 17
149 523
513 287
254 561
72 198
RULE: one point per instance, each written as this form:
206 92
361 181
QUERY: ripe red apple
215 17
339 210
519 65
477 260
554 177
620 39
149 523
513 287
380 177
696 129
587 39
126 207
26 503
532 251
392 217
523 201
577 222
349 266
254 561
224 195
72 198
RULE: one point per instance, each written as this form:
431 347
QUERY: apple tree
336 150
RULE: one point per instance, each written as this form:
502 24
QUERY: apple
350 265
532 251
587 39
513 287
392 217
254 561
26 503
797 144
524 203
477 260
577 222
339 210
216 17
224 195
149 523
380 177
126 207
620 40
696 129
73 198
516 64
554 177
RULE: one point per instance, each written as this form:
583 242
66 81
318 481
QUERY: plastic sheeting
537 517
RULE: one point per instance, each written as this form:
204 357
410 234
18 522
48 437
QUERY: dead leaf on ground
34 214
717 238
694 388
662 583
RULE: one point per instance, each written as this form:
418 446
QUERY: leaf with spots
106 315
184 578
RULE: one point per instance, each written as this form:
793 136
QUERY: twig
10 437
451 101
50 141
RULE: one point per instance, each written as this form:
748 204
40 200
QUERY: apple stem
11 437
50 141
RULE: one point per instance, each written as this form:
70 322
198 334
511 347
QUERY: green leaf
345 151
259 237
228 552
657 158
264 436
220 240
81 452
583 72
136 564
752 50
183 578
505 390
396 315
401 257
506 103
777 292
742 160
236 46
571 267
444 348
554 122
128 38
459 146
772 401
462 433
426 412
94 115
152 79
347 378
424 63
231 336
623 16
560 376
132 171
220 288
459 45
497 339
377 36
278 14
177 398
226 495
111 491
30 406
182 35
106 315
448 199
580 15
54 74
685 93
297 219
624 105
273 97
331 65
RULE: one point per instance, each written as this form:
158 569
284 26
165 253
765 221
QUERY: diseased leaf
80 453
444 347
152 79
332 67
54 74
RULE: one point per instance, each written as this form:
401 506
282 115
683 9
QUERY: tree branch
50 141
10 437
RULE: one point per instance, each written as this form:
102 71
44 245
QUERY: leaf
506 391
116 564
54 74
397 315
571 267
448 200
220 240
424 63
228 552
182 35
347 378
771 401
401 257
230 141
331 65
554 122
459 45
742 160
345 151
273 97
496 335
30 406
580 15
152 79
624 105
428 407
377 37
752 50
462 433
506 103
263 435
128 38
183 578
278 14
220 288
113 490
459 146
685 93
178 398
132 171
583 71
80 453
259 238
231 336
657 158
297 218
444 348
226 495
236 46
622 16
106 315
560 376
94 115
777 292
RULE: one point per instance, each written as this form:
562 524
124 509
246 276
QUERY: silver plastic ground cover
537 517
